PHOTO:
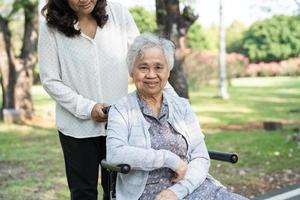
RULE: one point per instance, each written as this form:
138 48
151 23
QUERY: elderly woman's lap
209 191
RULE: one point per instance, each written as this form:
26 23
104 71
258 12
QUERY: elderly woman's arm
199 161
120 151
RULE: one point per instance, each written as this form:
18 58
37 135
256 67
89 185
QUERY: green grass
251 100
42 102
31 160
259 152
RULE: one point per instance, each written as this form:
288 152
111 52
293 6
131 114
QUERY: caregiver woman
82 50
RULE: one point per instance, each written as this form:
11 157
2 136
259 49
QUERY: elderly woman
158 134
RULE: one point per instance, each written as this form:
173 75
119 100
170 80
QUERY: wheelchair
125 168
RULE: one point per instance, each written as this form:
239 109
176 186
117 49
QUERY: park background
263 82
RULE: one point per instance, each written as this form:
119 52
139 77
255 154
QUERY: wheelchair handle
106 110
121 168
227 157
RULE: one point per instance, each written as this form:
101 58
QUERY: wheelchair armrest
121 168
215 155
221 156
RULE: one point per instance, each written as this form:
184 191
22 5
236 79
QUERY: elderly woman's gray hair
148 40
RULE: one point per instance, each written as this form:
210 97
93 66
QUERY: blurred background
239 61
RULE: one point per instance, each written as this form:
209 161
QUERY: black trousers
82 162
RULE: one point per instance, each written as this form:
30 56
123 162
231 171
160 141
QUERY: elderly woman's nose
151 73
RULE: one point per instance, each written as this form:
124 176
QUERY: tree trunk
174 26
178 80
7 66
28 58
17 73
222 54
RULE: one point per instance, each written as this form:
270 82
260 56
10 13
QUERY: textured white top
78 72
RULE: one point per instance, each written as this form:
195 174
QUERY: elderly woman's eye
158 67
143 67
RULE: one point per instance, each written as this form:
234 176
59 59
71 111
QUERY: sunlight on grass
221 108
252 100
263 82
206 119
21 129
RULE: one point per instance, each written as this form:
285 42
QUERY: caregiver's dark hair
60 15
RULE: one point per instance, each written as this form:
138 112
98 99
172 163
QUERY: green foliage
273 39
234 35
27 5
199 38
144 19
5 8
212 35
16 25
196 38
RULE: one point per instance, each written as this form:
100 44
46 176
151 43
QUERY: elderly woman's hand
180 172
97 113
166 195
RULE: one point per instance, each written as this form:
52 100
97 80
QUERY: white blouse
78 72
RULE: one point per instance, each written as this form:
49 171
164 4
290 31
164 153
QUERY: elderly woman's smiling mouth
151 83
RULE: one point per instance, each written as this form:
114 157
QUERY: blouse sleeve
170 90
131 28
50 74
199 161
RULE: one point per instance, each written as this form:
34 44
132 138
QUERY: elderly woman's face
150 71
82 7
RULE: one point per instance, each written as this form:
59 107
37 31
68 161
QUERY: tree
196 39
273 39
144 19
234 36
212 35
17 70
173 24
